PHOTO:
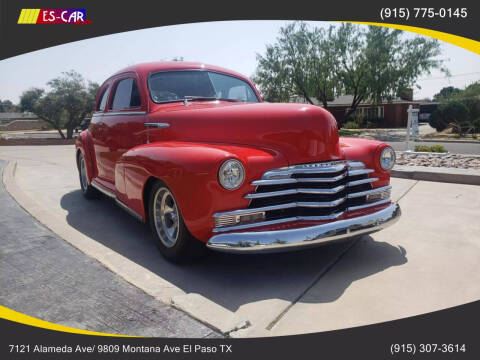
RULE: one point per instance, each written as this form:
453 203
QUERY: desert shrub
351 125
433 148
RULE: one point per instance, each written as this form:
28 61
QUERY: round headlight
231 174
387 158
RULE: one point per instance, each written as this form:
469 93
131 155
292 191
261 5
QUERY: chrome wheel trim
83 173
166 217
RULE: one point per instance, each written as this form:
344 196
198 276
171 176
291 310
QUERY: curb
449 141
437 174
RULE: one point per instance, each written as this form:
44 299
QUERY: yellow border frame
460 41
8 314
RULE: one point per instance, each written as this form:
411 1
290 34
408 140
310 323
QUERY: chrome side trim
256 210
103 190
111 195
380 202
322 180
247 226
356 165
278 221
274 182
97 114
322 204
298 180
291 239
128 210
126 113
360 182
295 191
303 169
367 192
359 172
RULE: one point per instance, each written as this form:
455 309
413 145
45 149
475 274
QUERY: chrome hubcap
83 173
166 217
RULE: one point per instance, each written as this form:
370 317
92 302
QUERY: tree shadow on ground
228 280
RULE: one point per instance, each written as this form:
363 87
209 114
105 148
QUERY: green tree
446 93
377 64
372 64
298 64
68 102
8 106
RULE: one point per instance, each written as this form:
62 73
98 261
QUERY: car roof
147 68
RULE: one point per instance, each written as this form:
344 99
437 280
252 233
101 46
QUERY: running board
111 195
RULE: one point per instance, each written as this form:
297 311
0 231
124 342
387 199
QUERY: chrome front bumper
296 239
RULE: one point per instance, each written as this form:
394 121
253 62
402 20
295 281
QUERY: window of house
126 95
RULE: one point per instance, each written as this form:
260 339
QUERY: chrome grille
320 191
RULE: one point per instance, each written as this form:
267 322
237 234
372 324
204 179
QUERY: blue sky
230 44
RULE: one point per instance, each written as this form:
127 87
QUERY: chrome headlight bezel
387 158
231 174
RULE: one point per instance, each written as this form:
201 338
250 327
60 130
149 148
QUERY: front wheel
168 228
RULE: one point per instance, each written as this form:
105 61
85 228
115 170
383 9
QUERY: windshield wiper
188 98
231 100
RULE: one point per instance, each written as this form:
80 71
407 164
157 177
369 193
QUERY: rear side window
126 95
103 100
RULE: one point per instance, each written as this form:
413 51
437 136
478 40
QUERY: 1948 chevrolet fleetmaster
193 150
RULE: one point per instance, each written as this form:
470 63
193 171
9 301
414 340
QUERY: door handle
156 125
100 123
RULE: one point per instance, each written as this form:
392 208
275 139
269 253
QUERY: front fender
190 170
368 152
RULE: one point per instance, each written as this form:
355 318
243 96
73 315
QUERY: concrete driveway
427 261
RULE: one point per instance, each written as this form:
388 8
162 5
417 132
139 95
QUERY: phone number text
406 13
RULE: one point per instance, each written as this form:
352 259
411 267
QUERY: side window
126 95
103 100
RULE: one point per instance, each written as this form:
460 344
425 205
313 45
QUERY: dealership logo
54 16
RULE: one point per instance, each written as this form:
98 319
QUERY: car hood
301 133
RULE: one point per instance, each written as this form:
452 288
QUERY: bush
350 125
453 113
433 148
476 125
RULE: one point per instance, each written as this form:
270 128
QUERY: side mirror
84 124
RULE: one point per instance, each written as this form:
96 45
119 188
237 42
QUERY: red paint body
188 154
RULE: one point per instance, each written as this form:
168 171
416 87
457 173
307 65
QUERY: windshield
170 86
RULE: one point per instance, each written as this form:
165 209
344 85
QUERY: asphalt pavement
43 276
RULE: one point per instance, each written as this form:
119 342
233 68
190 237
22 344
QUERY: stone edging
447 175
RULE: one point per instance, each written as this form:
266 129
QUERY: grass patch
344 132
433 148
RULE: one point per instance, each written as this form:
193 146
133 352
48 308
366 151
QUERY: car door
124 121
98 131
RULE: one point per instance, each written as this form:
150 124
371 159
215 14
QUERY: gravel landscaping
459 161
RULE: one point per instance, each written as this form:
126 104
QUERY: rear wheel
168 228
87 190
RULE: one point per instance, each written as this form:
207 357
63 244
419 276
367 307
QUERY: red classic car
192 150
